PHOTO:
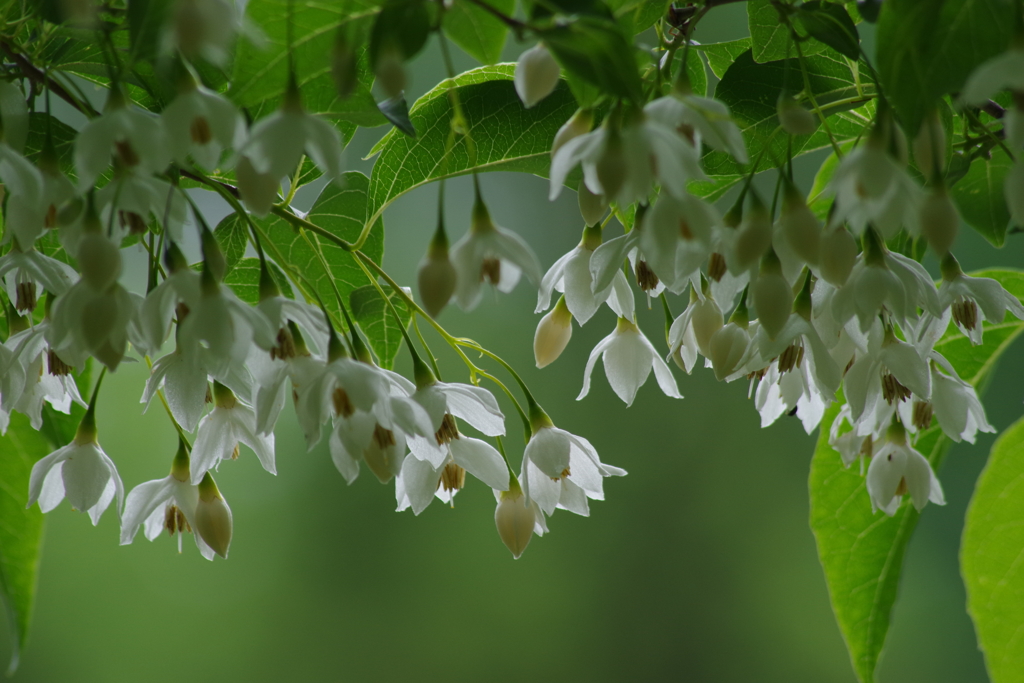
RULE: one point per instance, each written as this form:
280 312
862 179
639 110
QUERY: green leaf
62 135
595 50
979 196
232 235
21 529
377 321
721 55
818 199
506 136
145 25
261 70
640 15
990 557
751 91
477 31
831 24
403 25
770 39
244 280
860 552
927 49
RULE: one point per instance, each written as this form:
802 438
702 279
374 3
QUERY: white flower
201 124
675 237
624 163
1004 71
895 469
231 422
420 481
204 28
693 329
974 300
31 374
798 228
475 405
168 503
727 349
553 333
213 517
184 379
563 470
708 118
133 136
258 190
572 275
872 187
628 359
27 209
277 142
837 255
890 370
536 75
955 403
492 252
136 200
80 471
798 346
779 392
25 271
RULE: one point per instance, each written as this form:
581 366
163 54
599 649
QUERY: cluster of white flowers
830 312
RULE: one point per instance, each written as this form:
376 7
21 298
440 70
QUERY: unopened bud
837 256
515 520
390 71
773 299
930 147
213 517
258 190
536 75
611 166
553 334
580 123
436 278
726 349
940 221
592 206
706 320
99 260
754 237
794 119
800 228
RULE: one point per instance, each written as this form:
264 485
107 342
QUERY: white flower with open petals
897 469
201 124
80 472
442 401
628 359
571 274
890 370
676 238
708 118
562 470
131 135
491 252
231 422
1005 71
974 300
26 272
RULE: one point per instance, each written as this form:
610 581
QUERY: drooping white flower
676 238
572 275
185 382
692 330
491 252
781 392
955 403
517 519
709 119
132 136
974 300
562 470
896 469
168 503
202 124
81 472
30 374
230 422
25 272
553 333
628 359
536 75
622 162
203 28
889 371
442 401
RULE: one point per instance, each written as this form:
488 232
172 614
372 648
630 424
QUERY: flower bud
800 228
436 276
837 255
727 348
213 517
580 123
930 147
592 206
536 75
773 299
939 221
99 260
553 334
794 119
707 319
611 166
258 190
515 519
390 71
753 238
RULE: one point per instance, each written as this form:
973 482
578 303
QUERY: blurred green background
699 566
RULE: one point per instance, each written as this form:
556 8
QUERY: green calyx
208 491
874 248
741 316
950 267
896 433
86 432
802 303
300 342
268 287
180 469
538 418
592 237
174 259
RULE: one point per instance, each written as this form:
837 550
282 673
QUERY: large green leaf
477 31
770 36
990 557
979 195
232 235
244 280
751 90
722 55
595 50
21 529
316 263
377 320
261 68
860 552
830 23
506 136
927 49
